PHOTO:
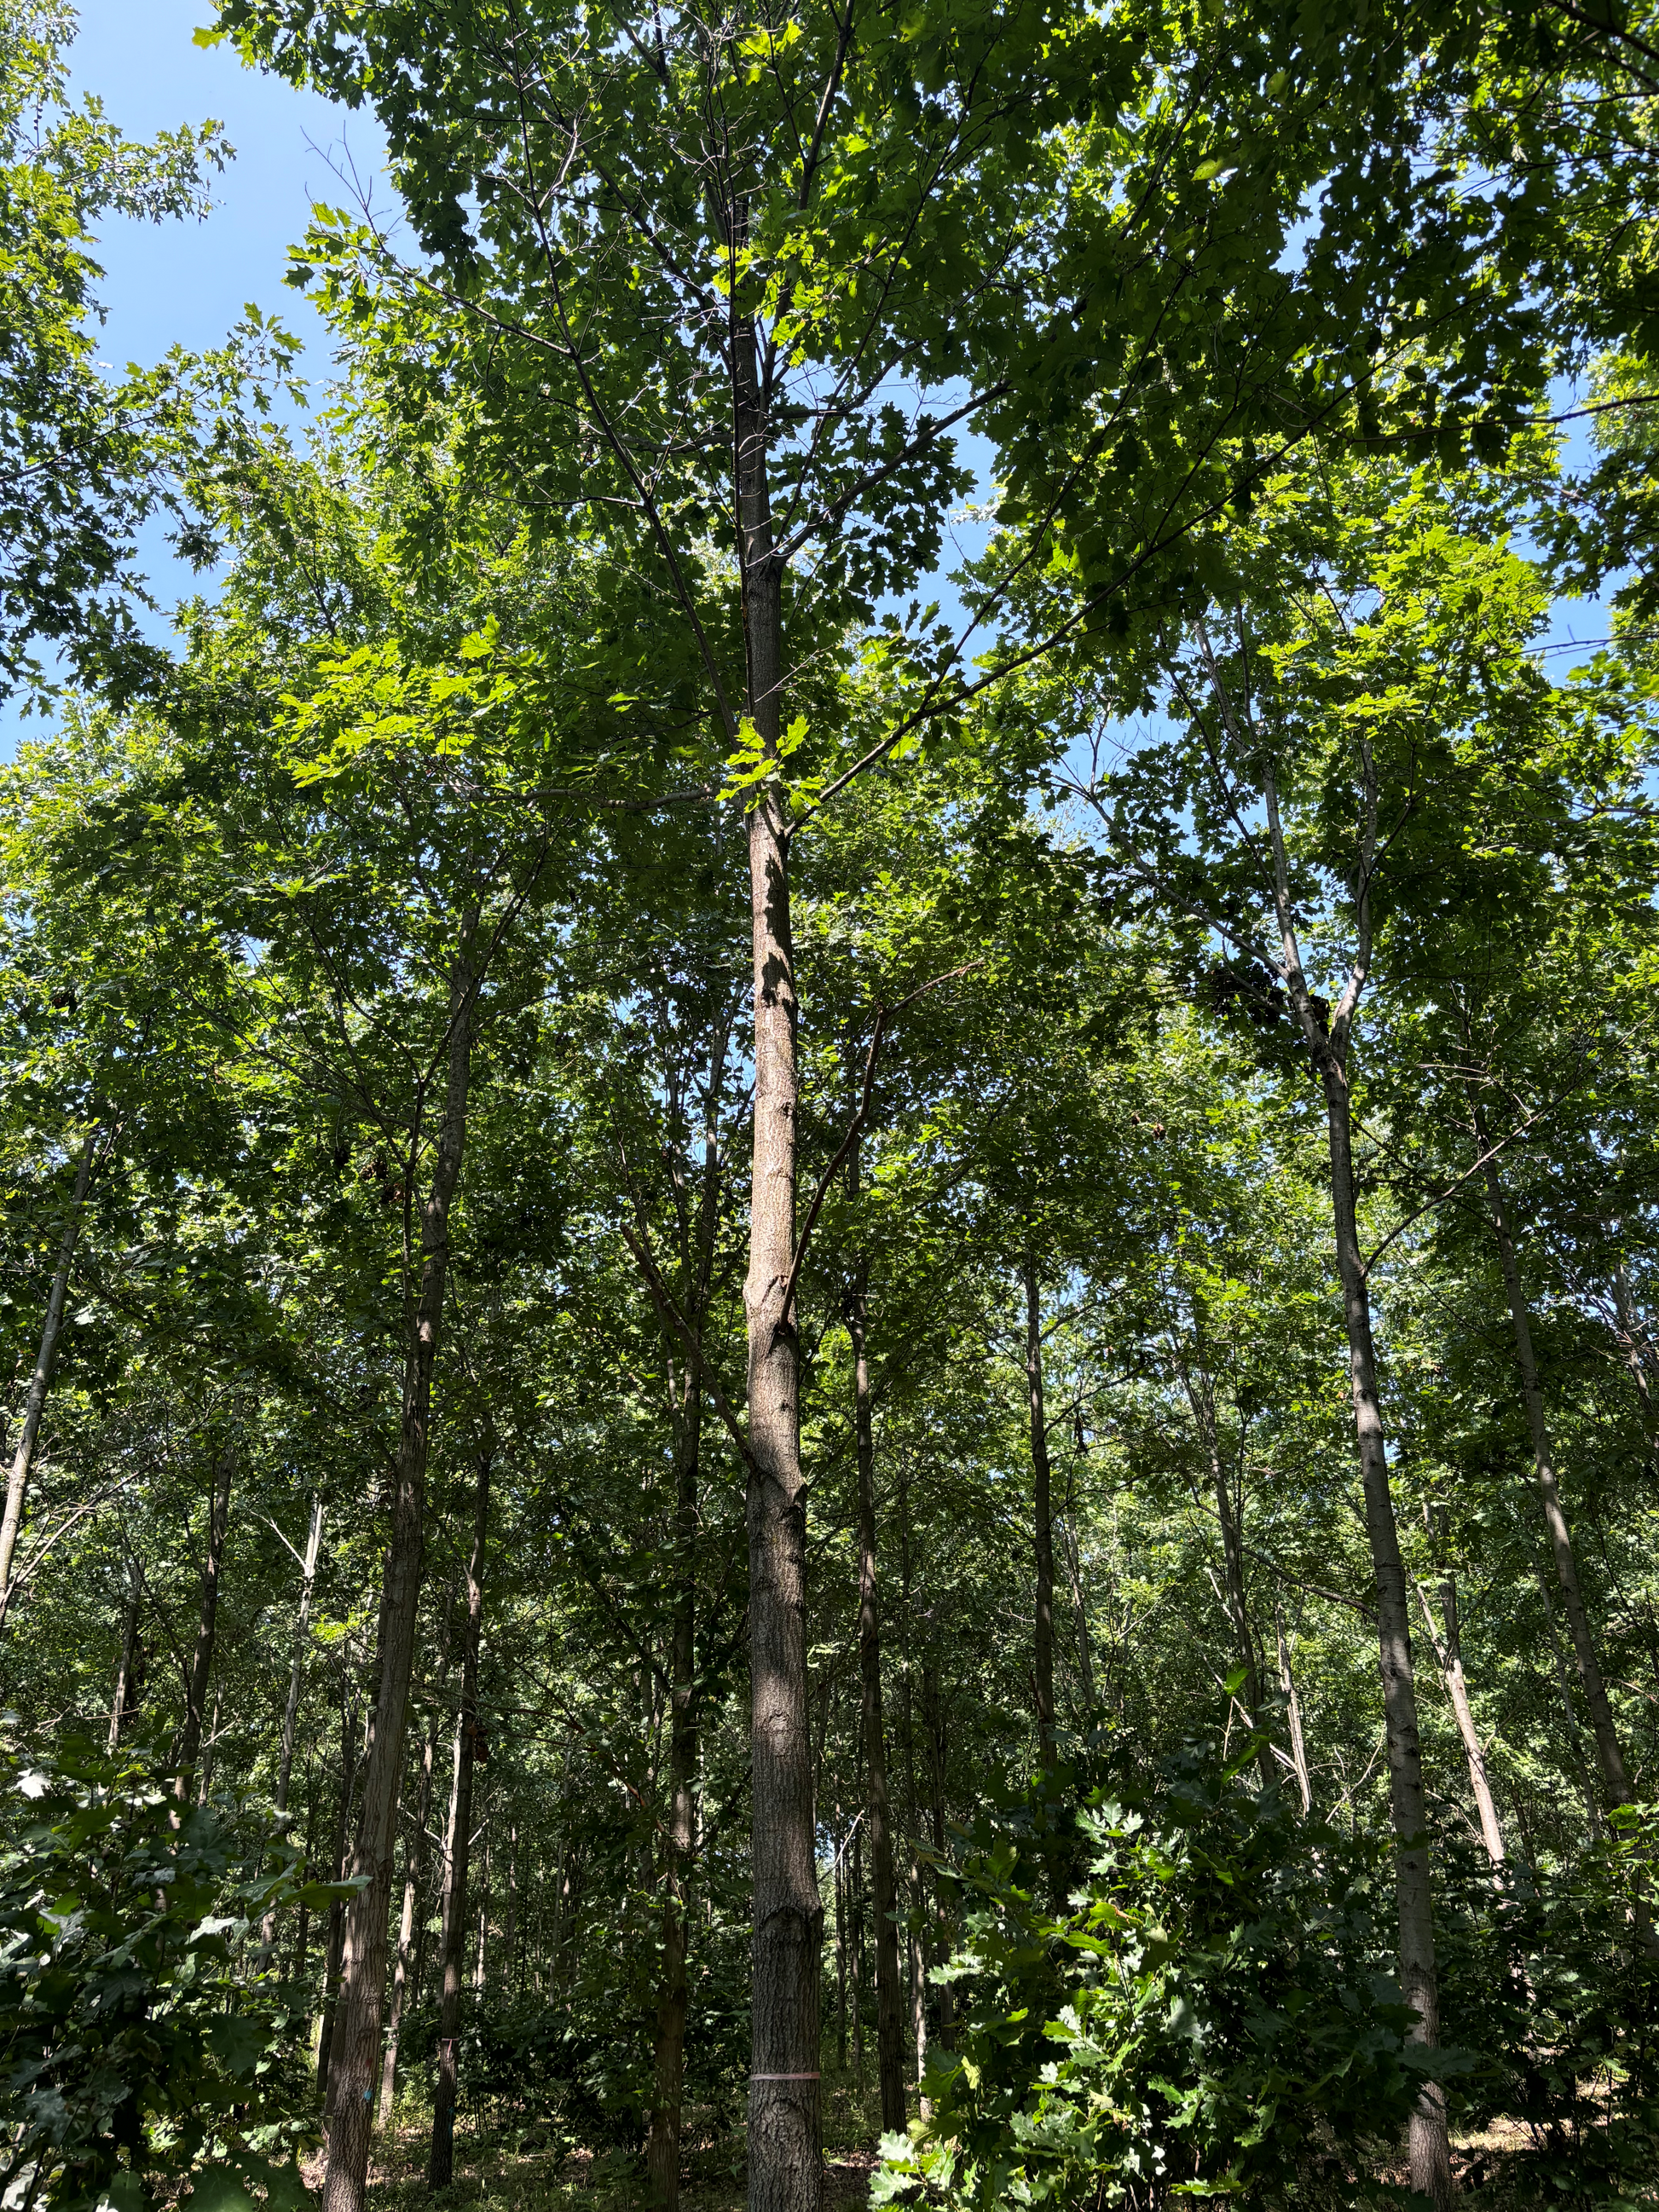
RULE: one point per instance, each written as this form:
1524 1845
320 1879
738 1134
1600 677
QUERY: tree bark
1328 1042
207 1624
34 1403
291 1709
890 2025
1609 1755
414 1877
785 2160
1085 1657
1293 1711
1449 1658
363 1973
441 2165
336 1911
1042 1518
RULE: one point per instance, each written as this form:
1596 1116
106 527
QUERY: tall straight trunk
441 2165
336 1911
1328 1039
1294 1714
1608 1754
481 1957
840 1959
934 1708
126 1701
785 2132
34 1403
1634 1339
1229 1507
855 1899
302 1919
363 1973
510 1928
890 2023
207 1624
1563 1683
291 1709
414 1881
1042 1517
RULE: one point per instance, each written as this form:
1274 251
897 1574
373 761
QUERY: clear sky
187 283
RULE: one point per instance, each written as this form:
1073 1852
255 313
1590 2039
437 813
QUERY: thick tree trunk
207 1624
890 2024
1609 1755
291 1709
127 1673
363 1974
441 2165
1041 1517
34 1403
784 2161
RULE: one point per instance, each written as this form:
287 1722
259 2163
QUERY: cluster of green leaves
135 2043
1209 2013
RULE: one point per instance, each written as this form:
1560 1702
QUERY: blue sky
187 283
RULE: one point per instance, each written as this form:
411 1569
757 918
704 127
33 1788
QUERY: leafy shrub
1211 2014
132 2046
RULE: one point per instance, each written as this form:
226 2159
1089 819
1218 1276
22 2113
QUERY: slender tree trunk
840 1956
481 1958
1042 1517
414 1876
1449 1659
1229 1507
363 1975
441 2165
1636 1348
34 1403
1328 1039
510 1931
126 1700
934 1708
1563 1682
785 2160
336 1911
1609 1756
291 1709
207 1624
1293 1711
890 2027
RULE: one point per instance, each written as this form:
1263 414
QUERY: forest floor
508 2166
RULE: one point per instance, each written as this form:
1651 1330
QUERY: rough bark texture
1609 1755
890 2022
785 2163
364 1971
34 1403
1042 1518
441 2165
207 1624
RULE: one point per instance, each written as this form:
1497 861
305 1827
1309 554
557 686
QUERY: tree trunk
291 1709
1609 1755
364 1976
336 1911
414 1877
1637 1349
207 1624
889 2025
34 1403
1431 2158
785 2162
1229 1507
128 1673
1042 1517
441 2165
1085 1657
1293 1711
1449 1658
